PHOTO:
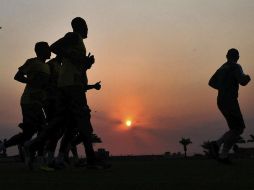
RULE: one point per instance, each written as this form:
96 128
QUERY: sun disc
128 123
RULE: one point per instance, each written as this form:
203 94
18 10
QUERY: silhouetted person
35 74
71 84
226 80
50 145
71 131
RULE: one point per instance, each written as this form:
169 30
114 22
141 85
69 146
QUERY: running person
72 103
226 80
35 74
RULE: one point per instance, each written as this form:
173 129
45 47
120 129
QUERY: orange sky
154 59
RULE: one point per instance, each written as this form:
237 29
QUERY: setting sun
128 123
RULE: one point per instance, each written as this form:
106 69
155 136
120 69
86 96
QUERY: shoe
225 161
47 168
214 150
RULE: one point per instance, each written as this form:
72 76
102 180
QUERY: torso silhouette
228 80
34 91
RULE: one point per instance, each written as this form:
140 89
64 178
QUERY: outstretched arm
96 86
20 77
242 78
245 80
213 82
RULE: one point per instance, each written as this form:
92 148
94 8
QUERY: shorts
231 111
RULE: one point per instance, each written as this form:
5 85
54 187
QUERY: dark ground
155 174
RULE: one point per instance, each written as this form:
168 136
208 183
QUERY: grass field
131 175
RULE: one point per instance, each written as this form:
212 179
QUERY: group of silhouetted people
54 104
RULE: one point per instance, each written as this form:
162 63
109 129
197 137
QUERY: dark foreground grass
131 175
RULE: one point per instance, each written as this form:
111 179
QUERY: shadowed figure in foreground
35 74
226 80
72 85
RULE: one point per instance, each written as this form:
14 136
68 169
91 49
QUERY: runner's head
42 50
79 25
233 55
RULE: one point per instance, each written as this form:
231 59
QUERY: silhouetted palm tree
185 143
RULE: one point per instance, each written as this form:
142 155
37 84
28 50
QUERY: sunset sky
154 58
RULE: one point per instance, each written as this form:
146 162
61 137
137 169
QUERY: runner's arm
242 78
213 82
